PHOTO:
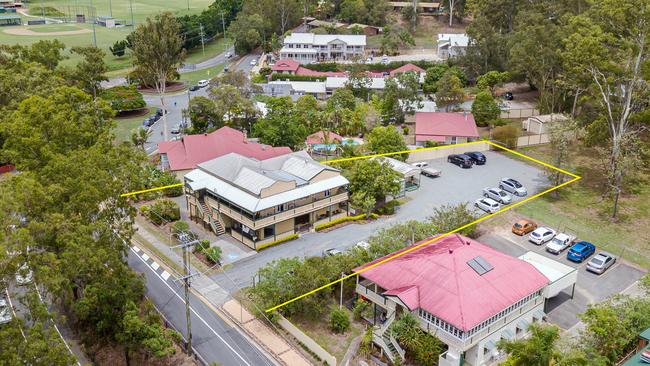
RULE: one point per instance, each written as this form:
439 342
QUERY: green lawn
191 78
124 126
582 209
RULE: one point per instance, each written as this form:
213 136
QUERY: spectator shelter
9 20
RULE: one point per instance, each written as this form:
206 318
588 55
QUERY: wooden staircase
382 337
207 217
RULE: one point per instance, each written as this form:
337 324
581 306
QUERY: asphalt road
454 186
212 338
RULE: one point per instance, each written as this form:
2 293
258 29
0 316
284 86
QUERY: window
327 193
453 139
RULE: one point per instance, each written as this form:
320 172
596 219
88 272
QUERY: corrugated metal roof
252 181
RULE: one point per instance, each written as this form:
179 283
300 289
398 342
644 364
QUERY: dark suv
477 157
461 160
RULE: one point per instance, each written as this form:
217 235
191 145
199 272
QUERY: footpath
222 302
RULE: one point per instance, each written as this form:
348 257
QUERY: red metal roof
437 278
319 138
407 67
307 72
191 150
285 65
428 125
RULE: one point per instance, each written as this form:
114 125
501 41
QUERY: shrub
265 71
202 245
506 135
180 226
341 220
388 208
339 321
213 254
268 245
405 131
162 211
324 66
360 307
124 98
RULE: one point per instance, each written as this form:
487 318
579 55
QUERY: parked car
5 311
194 88
420 164
203 83
461 160
498 195
488 205
24 275
560 242
477 157
600 262
513 186
159 112
541 235
369 59
508 96
430 172
523 227
332 252
176 130
228 54
580 251
253 62
363 245
148 122
226 69
384 59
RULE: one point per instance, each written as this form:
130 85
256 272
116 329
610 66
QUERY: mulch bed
171 87
203 258
133 113
337 226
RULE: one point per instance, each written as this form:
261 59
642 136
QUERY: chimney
467 242
451 250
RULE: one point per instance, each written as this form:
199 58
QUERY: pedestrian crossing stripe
145 257
136 248
155 265
165 275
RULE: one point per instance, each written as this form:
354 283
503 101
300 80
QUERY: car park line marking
434 239
155 265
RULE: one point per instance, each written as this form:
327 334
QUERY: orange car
523 227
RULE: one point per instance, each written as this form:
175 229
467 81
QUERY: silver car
513 186
600 262
488 205
498 195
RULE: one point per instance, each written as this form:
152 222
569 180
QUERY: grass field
124 126
106 37
581 208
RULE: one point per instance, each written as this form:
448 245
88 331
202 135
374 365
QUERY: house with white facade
452 44
463 292
309 47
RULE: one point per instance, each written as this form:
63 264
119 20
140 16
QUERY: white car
560 242
498 195
253 62
332 252
541 235
488 205
513 186
369 59
228 54
420 164
203 83
24 275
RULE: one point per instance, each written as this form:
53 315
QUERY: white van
203 83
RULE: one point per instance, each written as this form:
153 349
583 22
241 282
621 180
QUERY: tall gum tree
158 51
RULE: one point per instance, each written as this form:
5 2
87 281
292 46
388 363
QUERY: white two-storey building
309 47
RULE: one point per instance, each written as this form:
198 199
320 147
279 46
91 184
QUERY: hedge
342 220
124 98
288 238
378 67
291 77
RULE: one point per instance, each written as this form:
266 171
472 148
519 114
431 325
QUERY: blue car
580 251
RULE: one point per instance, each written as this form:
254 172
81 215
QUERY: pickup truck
430 172
560 242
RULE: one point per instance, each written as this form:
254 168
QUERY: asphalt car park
590 288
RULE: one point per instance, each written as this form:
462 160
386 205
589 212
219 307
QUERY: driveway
454 186
590 288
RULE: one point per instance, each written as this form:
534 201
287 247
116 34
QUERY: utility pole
202 39
341 299
110 8
132 21
223 24
188 4
186 243
93 20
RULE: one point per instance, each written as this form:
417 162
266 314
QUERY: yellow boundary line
432 240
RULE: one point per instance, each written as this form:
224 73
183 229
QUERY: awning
507 334
522 324
490 345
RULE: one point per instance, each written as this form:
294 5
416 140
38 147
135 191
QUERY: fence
519 113
533 140
307 341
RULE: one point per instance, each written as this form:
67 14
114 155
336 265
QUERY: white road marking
155 265
165 275
145 257
195 313
136 248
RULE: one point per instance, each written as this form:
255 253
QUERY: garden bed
171 87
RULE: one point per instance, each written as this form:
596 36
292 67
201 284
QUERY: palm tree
140 136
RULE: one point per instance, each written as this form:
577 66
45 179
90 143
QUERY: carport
560 276
410 174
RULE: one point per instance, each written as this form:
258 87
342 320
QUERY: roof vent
467 242
451 250
480 265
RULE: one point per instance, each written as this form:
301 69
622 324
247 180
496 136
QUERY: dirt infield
28 32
